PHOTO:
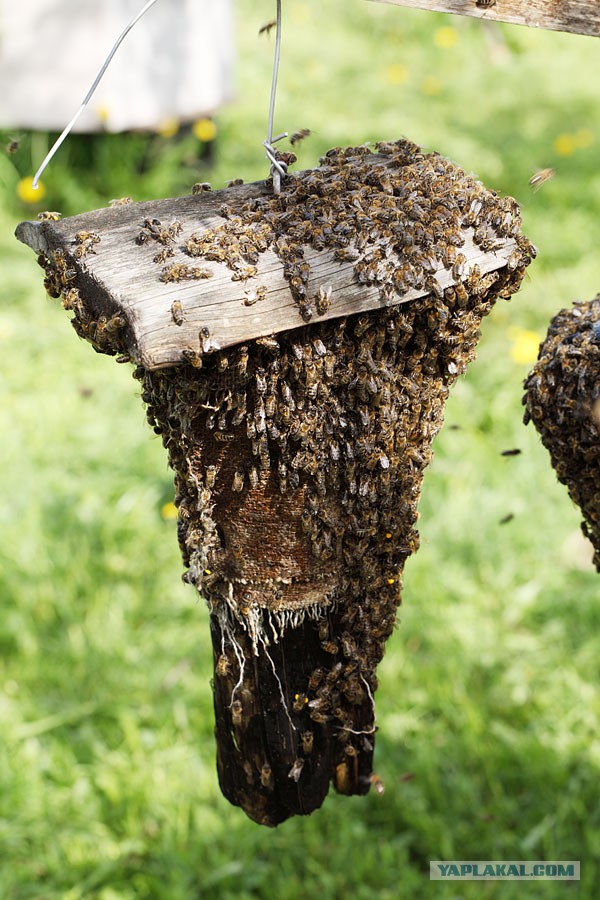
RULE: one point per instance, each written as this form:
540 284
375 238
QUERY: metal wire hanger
89 94
278 166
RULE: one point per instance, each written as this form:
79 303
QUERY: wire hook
278 167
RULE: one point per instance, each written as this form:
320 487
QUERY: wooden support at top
578 16
180 278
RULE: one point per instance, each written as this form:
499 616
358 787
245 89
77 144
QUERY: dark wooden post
295 353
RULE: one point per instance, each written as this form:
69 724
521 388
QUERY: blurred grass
488 702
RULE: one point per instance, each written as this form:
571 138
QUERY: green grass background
488 704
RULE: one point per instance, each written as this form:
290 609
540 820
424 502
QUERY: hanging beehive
562 400
295 353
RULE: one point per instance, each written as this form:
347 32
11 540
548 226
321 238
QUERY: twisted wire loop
278 169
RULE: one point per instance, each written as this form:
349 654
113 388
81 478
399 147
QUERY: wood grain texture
577 16
119 275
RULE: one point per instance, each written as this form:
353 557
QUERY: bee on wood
238 481
177 312
122 201
235 182
201 187
254 295
49 216
308 739
181 272
540 178
192 357
266 28
223 666
299 136
85 241
236 713
164 255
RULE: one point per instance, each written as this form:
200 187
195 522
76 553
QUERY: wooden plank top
168 267
577 16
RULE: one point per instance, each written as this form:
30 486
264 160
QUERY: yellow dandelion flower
27 193
103 112
525 345
168 128
396 73
565 144
431 86
445 37
168 511
583 138
205 130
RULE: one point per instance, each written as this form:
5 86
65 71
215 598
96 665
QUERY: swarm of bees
562 400
299 456
381 212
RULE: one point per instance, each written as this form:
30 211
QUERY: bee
296 770
238 481
514 452
254 295
266 28
122 201
181 272
244 272
85 241
235 182
485 4
299 136
374 780
300 701
236 713
49 216
177 312
201 187
540 178
223 666
192 357
164 255
308 739
323 300
266 776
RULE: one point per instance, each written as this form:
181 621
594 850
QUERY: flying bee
299 136
122 201
540 178
177 312
266 28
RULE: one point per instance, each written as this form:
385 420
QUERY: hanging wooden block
297 389
579 16
562 400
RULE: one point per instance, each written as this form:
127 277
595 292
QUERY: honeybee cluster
299 464
106 333
299 457
398 216
562 400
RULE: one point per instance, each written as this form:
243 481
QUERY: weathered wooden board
578 16
121 272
